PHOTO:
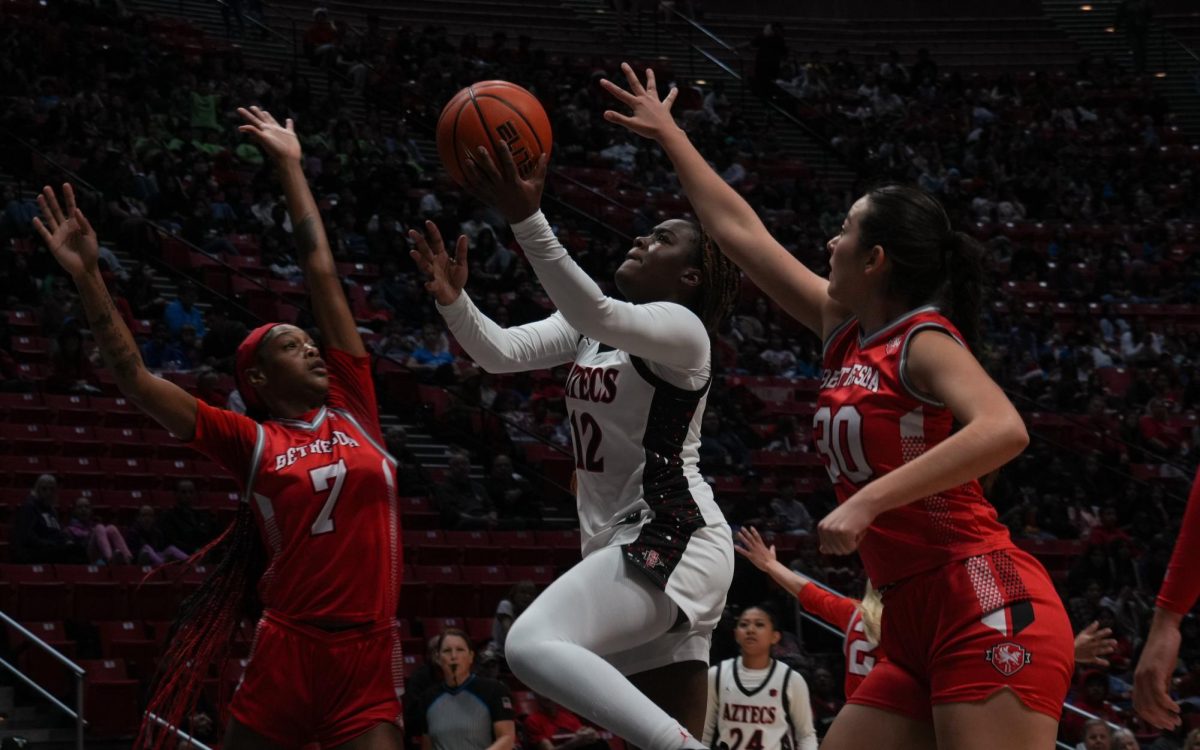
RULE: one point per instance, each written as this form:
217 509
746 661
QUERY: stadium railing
77 671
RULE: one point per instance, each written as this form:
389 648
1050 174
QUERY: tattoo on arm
116 343
306 237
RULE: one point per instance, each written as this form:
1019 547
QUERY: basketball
486 113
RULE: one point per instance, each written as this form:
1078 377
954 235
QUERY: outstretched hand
751 546
447 276
279 141
516 197
68 234
651 117
1093 643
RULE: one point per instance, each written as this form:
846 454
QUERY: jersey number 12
585 426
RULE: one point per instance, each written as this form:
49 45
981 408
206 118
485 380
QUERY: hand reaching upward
70 237
447 276
279 141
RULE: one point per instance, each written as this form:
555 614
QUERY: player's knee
523 645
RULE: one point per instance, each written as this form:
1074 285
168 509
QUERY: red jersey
869 421
324 492
843 613
1181 585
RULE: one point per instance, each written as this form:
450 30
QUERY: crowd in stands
1079 183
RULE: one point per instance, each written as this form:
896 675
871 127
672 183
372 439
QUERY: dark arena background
1064 136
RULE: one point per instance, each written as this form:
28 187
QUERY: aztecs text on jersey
871 420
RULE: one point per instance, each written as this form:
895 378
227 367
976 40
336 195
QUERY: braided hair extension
722 281
203 632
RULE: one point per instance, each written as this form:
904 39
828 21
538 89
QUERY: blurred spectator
511 493
466 711
552 727
185 526
791 515
411 479
148 542
463 502
1097 735
432 354
825 698
520 596
103 542
37 535
1123 739
321 38
160 352
71 369
183 311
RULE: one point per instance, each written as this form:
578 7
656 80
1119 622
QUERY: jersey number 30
839 439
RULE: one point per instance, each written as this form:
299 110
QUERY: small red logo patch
893 345
774 692
1008 658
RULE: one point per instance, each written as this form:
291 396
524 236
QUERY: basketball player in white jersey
623 637
754 701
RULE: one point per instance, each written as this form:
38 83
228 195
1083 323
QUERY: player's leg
601 606
1001 722
679 689
385 736
858 726
238 736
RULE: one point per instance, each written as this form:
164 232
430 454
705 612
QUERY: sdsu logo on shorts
1008 658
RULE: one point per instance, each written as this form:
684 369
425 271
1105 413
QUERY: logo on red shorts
1008 658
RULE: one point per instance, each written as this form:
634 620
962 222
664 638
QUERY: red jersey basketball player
974 627
325 664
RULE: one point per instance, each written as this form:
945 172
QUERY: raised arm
724 214
330 308
662 332
544 343
73 243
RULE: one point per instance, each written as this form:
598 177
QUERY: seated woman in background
103 542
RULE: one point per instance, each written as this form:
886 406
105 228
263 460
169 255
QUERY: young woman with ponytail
315 546
907 421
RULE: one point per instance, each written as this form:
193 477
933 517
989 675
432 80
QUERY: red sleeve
833 609
537 728
352 388
1181 585
227 438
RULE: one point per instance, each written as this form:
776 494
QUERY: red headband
245 360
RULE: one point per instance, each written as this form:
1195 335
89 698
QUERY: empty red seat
32 437
110 697
72 409
539 574
82 573
435 625
122 442
43 600
41 666
154 600
134 574
436 573
24 407
21 573
480 630
98 600
74 440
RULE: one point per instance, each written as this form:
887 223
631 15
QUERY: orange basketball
487 113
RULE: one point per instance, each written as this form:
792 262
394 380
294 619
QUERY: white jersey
758 709
635 398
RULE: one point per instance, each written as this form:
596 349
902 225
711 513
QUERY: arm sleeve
499 701
352 388
801 712
534 346
663 332
1181 585
227 438
710 715
833 609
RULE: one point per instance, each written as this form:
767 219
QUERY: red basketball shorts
959 633
303 684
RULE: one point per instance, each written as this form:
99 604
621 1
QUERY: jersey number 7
321 477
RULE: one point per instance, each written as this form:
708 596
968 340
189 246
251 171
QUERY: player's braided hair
204 630
721 281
